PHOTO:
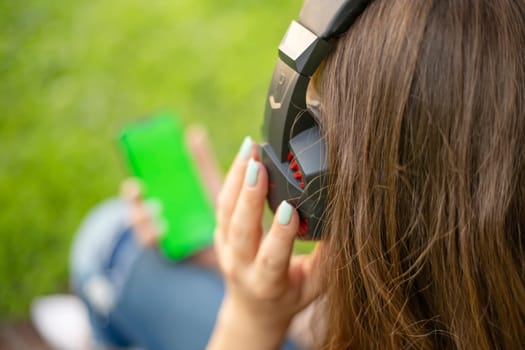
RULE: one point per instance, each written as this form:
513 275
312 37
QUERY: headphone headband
329 18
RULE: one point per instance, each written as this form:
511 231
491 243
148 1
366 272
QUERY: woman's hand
265 285
146 216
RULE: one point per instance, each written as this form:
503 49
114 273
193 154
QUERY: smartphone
156 153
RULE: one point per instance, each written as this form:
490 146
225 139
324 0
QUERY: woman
423 111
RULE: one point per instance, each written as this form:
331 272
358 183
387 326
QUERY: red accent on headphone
295 168
303 223
303 227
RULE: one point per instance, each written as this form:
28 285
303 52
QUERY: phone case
157 154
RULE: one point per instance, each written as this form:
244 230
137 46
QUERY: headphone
294 153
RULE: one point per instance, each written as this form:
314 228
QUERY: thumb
306 271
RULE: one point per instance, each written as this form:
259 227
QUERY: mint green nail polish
246 148
284 213
252 173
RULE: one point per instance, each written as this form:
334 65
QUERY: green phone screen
156 153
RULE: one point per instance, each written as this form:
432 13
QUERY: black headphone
294 152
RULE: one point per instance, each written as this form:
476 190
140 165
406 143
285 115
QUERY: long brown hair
424 117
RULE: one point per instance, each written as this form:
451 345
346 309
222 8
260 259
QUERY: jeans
163 305
159 304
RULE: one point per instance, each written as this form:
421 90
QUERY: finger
154 208
147 220
147 235
145 230
154 212
273 258
146 212
131 190
232 186
245 228
204 157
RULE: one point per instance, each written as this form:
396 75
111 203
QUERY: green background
72 73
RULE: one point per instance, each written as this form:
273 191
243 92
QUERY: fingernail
246 148
162 227
284 213
154 207
252 173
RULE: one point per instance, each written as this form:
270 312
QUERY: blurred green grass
72 73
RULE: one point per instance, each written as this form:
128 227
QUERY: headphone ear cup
309 157
300 180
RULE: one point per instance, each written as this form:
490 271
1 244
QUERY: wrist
238 327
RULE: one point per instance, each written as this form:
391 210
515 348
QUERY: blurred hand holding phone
157 155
